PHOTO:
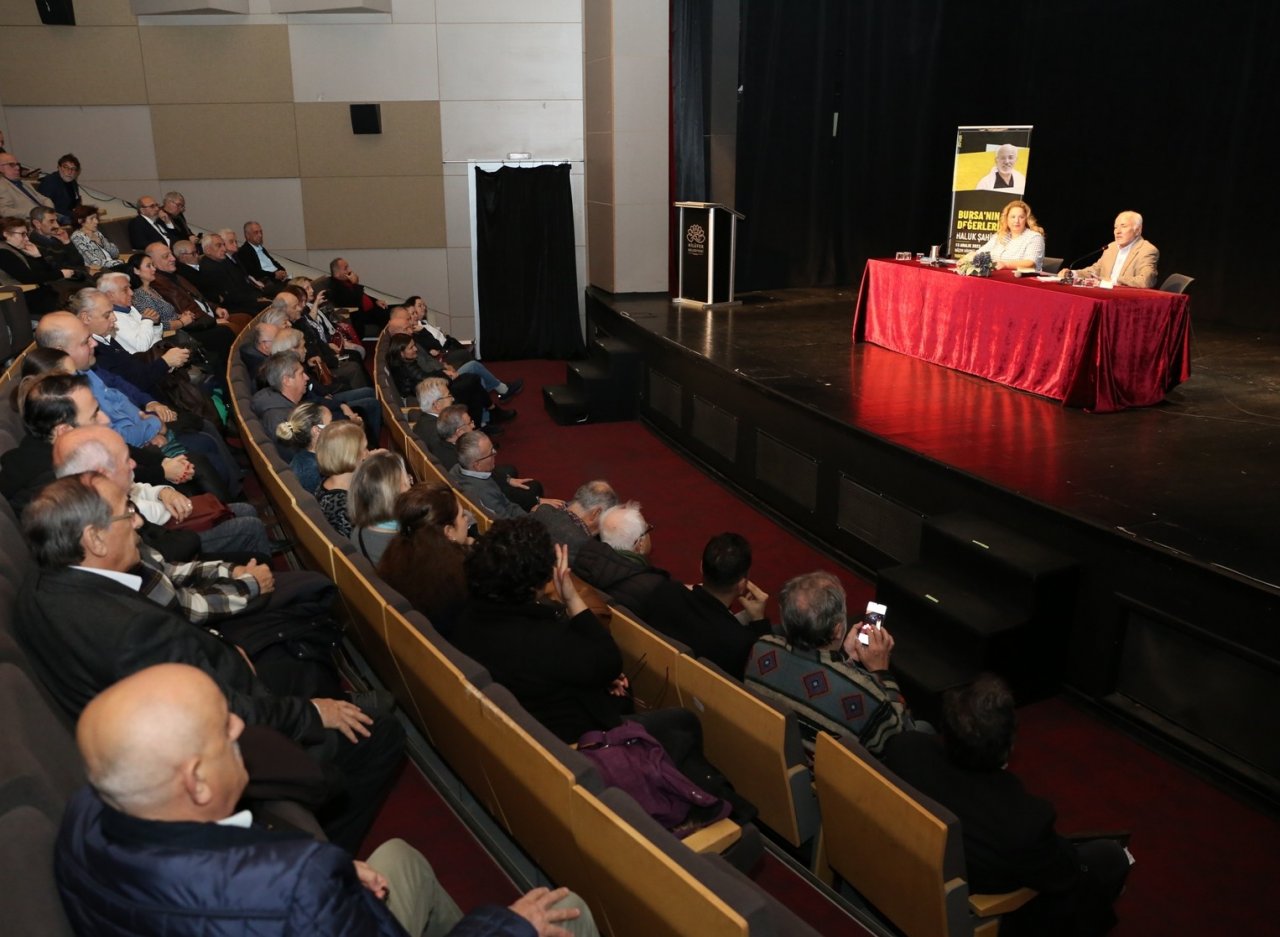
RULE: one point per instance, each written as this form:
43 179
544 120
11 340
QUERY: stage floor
1195 474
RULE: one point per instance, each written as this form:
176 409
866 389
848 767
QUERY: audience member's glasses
129 513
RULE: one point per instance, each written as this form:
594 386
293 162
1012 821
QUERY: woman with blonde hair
1018 243
340 449
425 559
371 502
301 429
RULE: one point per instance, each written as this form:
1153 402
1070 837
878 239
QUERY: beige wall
627 144
247 115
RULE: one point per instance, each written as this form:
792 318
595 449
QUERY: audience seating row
897 848
637 877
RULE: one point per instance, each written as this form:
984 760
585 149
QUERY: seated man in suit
155 843
150 225
257 262
174 207
227 282
820 669
54 241
453 423
84 625
618 563
433 399
1129 260
98 314
700 615
1009 836
575 523
17 196
474 477
61 187
211 326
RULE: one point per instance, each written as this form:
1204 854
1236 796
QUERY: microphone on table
1096 250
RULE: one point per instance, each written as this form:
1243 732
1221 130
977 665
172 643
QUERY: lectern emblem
696 235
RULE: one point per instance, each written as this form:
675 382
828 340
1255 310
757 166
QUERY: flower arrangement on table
976 264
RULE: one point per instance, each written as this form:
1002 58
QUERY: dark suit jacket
700 620
142 234
626 579
228 284
1009 836
142 374
83 632
250 264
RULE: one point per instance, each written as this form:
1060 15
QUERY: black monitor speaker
56 12
366 118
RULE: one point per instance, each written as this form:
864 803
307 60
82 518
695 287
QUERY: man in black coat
85 625
150 225
618 563
228 283
1009 836
699 615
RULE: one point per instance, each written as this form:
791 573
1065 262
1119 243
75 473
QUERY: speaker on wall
56 12
366 118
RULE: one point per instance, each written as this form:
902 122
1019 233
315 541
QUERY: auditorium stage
1168 509
1195 475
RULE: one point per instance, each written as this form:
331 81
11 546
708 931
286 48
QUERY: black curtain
690 70
525 264
1162 108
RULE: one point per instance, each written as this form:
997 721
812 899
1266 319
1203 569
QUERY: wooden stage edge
1164 508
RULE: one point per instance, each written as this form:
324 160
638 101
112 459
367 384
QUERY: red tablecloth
1103 350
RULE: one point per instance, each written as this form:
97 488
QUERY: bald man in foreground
155 845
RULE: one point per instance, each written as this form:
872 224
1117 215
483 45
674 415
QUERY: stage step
980 597
565 404
604 387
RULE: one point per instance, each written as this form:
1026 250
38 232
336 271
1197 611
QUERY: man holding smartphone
822 671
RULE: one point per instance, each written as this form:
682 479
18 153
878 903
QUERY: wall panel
374 212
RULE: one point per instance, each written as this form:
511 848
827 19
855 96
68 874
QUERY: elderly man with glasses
17 196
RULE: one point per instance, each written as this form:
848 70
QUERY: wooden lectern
706 274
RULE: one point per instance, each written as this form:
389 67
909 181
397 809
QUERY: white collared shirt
243 820
125 579
135 333
1118 267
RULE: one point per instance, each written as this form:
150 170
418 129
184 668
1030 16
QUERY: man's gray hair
277 317
259 332
92 455
813 607
452 418
173 197
54 521
106 280
39 212
595 494
290 340
622 526
207 241
279 305
81 299
278 367
469 446
430 390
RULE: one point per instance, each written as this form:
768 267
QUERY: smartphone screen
873 617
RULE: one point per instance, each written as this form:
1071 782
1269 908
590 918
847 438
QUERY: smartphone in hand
873 617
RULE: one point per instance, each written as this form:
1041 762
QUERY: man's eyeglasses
130 512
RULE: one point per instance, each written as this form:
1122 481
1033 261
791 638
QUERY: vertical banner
990 172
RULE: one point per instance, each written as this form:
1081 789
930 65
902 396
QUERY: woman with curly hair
424 560
555 657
